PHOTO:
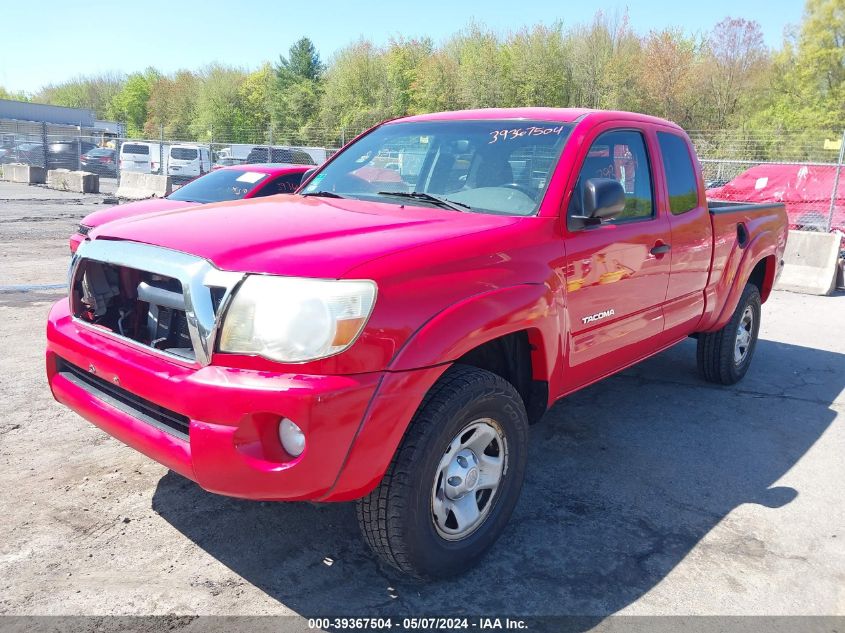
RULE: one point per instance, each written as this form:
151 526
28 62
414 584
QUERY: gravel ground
648 493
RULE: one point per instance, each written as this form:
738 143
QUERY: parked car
389 335
186 162
67 154
805 190
230 183
100 160
141 156
239 151
260 154
28 153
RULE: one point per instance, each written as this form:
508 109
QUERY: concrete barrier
810 263
79 181
27 174
137 186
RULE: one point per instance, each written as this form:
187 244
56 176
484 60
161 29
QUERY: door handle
661 249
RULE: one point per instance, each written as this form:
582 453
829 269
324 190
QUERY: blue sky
62 39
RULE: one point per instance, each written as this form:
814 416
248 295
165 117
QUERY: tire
718 358
397 519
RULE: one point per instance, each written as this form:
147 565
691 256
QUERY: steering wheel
521 188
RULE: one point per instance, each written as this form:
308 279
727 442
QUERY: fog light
292 437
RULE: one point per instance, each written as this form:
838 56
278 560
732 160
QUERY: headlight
290 319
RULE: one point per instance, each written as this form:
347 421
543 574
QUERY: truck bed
727 206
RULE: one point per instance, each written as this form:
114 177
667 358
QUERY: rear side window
131 148
680 174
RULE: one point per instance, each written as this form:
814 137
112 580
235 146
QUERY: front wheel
724 356
455 479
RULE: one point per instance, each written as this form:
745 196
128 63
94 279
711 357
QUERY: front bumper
233 446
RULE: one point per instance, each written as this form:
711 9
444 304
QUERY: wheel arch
758 265
517 357
511 332
763 276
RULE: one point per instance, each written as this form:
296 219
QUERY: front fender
472 322
427 354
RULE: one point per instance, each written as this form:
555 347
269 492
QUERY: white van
140 156
188 161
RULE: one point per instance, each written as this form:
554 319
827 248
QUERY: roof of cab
564 115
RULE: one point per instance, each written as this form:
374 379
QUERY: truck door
692 234
617 273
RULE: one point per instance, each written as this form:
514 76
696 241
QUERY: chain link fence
802 169
110 156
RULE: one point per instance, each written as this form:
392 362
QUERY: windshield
224 184
495 166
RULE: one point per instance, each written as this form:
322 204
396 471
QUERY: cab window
621 155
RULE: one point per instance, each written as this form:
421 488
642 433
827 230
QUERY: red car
227 183
805 189
389 333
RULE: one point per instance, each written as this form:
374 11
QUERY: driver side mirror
305 176
601 199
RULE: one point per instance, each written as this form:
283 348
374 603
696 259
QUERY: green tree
295 97
538 59
14 96
130 104
808 79
670 77
736 60
483 67
172 104
302 62
218 106
254 100
403 59
435 88
95 92
355 88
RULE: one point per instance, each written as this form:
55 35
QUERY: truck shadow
625 478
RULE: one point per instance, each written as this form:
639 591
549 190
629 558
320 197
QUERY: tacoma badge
598 316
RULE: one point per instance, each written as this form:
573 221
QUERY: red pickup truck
389 333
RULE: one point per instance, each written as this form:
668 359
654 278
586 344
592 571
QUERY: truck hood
298 236
133 209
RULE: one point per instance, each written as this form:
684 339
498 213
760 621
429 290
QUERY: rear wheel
454 480
724 356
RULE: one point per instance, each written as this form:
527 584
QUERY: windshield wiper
427 197
322 194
